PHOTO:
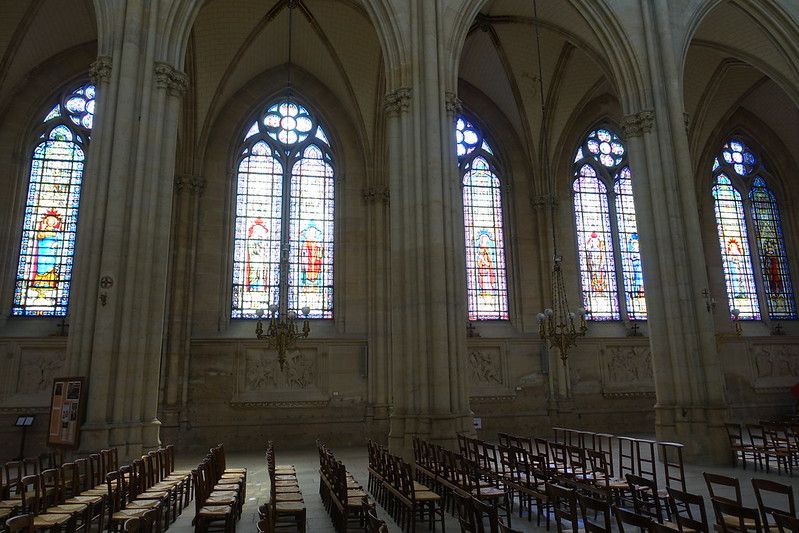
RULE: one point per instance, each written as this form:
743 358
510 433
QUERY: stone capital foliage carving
100 71
397 101
452 103
542 201
637 124
376 193
169 78
194 184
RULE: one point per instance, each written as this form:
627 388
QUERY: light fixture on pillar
283 331
282 334
736 319
558 325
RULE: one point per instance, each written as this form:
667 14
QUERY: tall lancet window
44 270
750 236
283 253
486 280
607 232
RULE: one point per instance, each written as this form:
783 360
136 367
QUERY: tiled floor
307 464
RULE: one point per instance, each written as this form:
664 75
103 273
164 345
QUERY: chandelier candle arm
282 333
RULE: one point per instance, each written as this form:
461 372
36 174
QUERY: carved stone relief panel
627 370
27 372
486 368
774 365
260 381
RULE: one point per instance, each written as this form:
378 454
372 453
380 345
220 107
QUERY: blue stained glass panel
629 247
595 246
734 243
771 247
44 269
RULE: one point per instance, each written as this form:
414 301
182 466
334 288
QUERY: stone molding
100 70
452 103
636 124
169 78
376 193
543 201
397 101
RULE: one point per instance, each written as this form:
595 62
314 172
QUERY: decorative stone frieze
376 193
452 103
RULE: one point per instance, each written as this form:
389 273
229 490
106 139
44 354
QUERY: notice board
66 412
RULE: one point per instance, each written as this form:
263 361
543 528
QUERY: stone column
689 379
177 347
428 311
119 293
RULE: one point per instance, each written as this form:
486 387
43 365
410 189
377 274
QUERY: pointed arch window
607 231
486 273
44 270
750 236
283 242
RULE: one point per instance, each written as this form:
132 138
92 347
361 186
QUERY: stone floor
306 462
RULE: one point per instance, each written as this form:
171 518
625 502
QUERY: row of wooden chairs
285 507
342 496
391 481
765 445
448 473
220 493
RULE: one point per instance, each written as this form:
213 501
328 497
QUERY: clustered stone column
122 254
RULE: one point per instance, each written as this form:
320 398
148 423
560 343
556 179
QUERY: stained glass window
741 178
607 231
44 271
283 250
595 246
486 281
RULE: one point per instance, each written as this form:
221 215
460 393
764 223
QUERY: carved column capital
169 78
100 71
636 124
376 193
192 183
452 103
397 101
542 201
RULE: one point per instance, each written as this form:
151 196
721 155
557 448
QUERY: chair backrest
542 448
786 524
564 504
51 485
768 493
722 487
30 490
688 510
734 434
486 518
83 473
20 524
645 496
646 459
731 516
596 514
757 435
70 481
631 519
626 454
673 467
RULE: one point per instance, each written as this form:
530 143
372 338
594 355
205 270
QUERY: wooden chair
767 493
631 519
71 494
564 504
688 511
739 449
210 515
786 524
592 508
731 516
30 490
779 446
673 466
646 501
757 438
20 524
723 487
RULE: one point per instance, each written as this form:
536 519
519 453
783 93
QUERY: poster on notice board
66 412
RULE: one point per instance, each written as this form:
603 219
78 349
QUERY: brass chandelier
283 332
557 325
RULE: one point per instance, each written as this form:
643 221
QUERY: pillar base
436 429
700 429
132 439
